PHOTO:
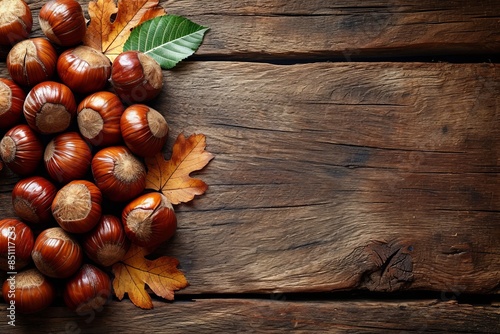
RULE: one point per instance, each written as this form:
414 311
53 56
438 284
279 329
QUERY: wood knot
390 266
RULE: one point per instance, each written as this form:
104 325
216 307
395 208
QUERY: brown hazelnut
67 157
32 198
89 289
56 253
119 174
144 130
49 107
32 61
16 244
21 150
136 77
77 206
98 118
29 291
16 22
63 22
11 103
107 243
84 69
149 220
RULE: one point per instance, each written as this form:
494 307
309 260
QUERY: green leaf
168 39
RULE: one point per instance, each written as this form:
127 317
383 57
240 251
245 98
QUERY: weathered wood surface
335 176
344 29
329 176
341 176
270 316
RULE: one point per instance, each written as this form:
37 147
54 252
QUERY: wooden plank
344 29
338 30
334 176
341 176
269 316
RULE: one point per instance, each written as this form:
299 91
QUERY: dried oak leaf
110 23
172 177
135 271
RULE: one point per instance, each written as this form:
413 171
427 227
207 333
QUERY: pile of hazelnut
76 129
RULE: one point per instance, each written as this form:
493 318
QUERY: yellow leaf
135 271
111 23
172 177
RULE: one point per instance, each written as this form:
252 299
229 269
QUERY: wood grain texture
341 176
345 29
328 176
269 316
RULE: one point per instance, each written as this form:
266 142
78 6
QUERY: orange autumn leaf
111 23
135 271
172 177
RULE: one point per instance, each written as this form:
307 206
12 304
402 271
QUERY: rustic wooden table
355 182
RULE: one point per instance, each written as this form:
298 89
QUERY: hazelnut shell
107 243
149 220
30 291
63 22
32 61
84 69
136 77
67 157
144 130
11 103
56 253
98 118
77 206
88 290
21 150
49 107
119 174
32 199
16 22
16 243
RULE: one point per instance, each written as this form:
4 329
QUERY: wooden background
355 181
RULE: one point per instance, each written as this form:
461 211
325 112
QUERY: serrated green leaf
168 39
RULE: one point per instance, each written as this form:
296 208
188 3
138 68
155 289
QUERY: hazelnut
16 243
89 289
149 220
144 130
32 198
98 118
67 157
107 243
49 107
30 291
136 77
32 61
119 174
63 22
16 21
11 103
77 206
21 150
56 253
84 69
